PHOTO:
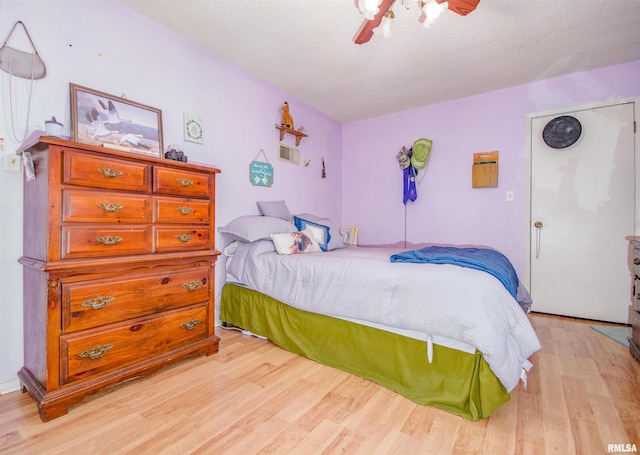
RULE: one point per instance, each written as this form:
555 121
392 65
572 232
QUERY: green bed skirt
456 381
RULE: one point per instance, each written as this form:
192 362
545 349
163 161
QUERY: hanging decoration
27 65
261 173
410 162
410 190
408 175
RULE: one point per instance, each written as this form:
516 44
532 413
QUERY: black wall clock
562 132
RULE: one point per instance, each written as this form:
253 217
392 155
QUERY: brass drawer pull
192 285
184 210
184 182
636 261
109 240
111 173
184 237
110 206
98 302
96 352
191 324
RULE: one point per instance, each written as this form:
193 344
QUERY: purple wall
448 210
156 67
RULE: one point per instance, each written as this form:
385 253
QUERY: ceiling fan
375 10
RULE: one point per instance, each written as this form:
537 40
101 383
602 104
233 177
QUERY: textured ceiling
305 47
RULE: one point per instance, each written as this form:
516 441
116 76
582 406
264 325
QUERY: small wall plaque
261 173
193 128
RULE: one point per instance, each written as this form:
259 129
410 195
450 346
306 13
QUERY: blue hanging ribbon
410 191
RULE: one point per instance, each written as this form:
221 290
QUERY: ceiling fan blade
461 7
365 32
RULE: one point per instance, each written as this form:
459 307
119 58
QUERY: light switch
11 162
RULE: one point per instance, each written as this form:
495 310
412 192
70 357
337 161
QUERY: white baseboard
8 387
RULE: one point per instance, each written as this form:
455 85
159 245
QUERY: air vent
290 154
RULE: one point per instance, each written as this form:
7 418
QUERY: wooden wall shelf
298 134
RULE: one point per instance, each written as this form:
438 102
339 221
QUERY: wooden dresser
118 266
634 341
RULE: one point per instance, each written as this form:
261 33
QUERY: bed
440 334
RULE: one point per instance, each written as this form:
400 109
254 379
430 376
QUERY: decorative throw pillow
295 242
335 239
276 209
319 231
250 228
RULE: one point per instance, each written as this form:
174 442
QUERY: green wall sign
260 174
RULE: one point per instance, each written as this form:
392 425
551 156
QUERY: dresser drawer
181 238
105 301
103 206
102 172
180 182
175 210
96 241
89 353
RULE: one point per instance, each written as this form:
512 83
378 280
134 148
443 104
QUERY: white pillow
295 242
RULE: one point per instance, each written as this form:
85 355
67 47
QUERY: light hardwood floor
252 397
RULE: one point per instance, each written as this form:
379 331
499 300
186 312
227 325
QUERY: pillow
277 209
230 249
250 228
319 231
309 216
335 239
295 242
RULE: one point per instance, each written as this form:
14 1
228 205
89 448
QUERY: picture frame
193 128
349 235
98 118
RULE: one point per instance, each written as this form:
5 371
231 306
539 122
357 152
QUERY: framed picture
349 235
193 128
98 118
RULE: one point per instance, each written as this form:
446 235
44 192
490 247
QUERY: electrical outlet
510 196
12 162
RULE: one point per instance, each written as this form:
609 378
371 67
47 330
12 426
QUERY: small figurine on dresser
287 120
174 153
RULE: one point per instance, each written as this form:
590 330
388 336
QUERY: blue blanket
489 261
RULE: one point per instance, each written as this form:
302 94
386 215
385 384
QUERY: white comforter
362 283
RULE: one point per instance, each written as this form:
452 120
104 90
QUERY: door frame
528 149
